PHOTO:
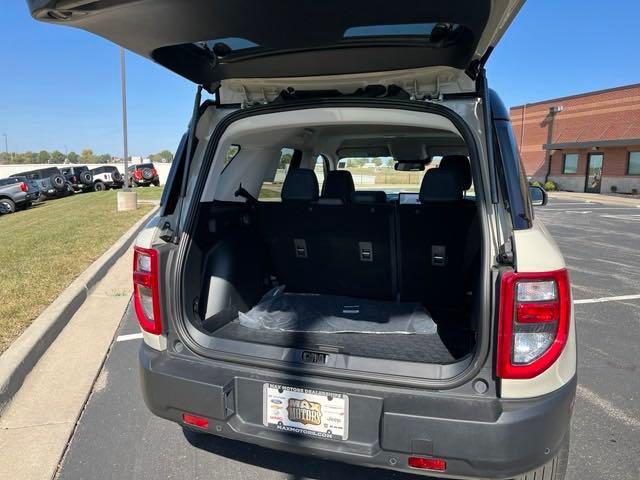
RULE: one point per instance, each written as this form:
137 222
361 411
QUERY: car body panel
291 38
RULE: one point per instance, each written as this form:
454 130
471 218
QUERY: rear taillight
146 296
535 311
74 179
154 172
23 186
137 174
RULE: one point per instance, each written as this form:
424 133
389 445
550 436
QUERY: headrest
369 196
300 185
338 184
459 163
440 185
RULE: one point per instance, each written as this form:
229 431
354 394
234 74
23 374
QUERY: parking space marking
131 336
607 406
606 299
630 217
597 208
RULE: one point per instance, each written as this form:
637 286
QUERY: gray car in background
51 182
16 194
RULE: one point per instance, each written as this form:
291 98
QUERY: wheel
554 469
146 184
86 177
99 186
147 174
156 184
7 206
58 182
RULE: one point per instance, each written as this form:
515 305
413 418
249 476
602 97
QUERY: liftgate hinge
505 254
167 234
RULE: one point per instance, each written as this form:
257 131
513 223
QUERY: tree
86 155
104 158
57 156
44 156
377 161
72 157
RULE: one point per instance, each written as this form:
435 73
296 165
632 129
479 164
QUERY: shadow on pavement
297 467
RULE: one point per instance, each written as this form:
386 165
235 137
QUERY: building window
634 163
570 163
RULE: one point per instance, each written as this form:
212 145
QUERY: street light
124 120
127 200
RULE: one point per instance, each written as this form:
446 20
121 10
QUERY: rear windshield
144 165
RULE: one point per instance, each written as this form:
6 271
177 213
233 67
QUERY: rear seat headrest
300 185
369 196
460 164
338 184
440 185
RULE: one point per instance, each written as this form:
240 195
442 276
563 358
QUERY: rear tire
7 206
99 186
554 469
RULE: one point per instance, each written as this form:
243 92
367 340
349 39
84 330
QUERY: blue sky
60 86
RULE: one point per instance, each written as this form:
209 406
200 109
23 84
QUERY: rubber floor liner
298 312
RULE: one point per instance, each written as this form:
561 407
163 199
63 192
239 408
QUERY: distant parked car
143 175
79 177
51 182
16 194
106 177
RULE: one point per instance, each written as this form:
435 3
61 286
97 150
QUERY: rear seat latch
366 251
438 255
301 247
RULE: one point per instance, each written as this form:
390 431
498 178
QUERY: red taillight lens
436 464
154 172
535 311
195 420
146 298
23 186
137 174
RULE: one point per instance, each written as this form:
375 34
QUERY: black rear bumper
478 437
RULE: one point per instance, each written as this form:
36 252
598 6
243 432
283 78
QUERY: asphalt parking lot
117 438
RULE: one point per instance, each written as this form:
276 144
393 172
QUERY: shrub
634 191
614 189
535 183
550 186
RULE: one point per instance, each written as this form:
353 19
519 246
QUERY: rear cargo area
302 262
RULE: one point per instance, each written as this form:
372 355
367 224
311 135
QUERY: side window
320 169
570 163
273 180
231 153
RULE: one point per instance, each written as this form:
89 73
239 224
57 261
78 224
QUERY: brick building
588 142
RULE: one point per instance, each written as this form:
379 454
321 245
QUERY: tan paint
536 251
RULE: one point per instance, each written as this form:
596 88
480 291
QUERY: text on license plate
308 412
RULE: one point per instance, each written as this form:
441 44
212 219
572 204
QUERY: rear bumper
478 437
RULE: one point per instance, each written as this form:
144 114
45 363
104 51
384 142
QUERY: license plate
307 412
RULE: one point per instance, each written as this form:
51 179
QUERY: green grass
149 193
46 247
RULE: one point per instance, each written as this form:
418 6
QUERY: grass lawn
46 247
149 193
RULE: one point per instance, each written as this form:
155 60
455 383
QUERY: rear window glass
402 30
144 165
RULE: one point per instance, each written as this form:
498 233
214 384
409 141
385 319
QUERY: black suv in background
50 181
79 177
143 175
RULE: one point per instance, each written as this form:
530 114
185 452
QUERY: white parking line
545 209
607 406
131 336
607 299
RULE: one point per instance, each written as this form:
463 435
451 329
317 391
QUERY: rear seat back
432 239
334 247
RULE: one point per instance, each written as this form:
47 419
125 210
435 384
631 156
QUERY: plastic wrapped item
305 312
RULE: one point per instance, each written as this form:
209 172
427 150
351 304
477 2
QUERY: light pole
124 120
6 145
127 199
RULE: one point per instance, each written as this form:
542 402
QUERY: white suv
415 318
106 177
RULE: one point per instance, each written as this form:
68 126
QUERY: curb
596 198
18 360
